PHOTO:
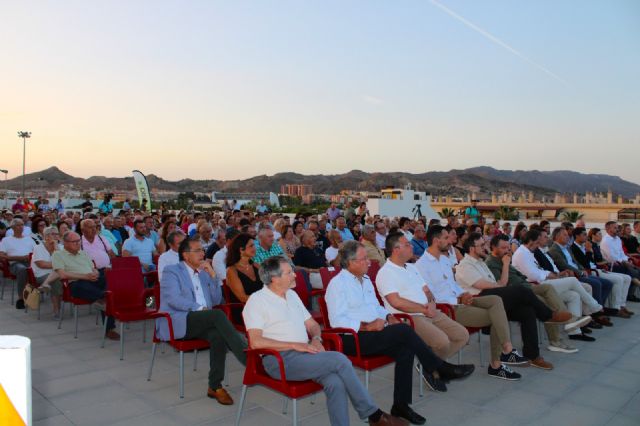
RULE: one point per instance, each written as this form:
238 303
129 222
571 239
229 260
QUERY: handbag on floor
31 297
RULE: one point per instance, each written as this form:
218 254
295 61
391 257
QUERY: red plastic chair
303 292
367 363
134 262
7 275
75 301
232 307
255 374
326 274
180 345
126 300
374 268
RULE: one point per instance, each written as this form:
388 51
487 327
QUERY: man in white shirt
97 248
170 257
331 253
219 260
613 253
520 304
404 290
16 249
276 319
381 234
352 303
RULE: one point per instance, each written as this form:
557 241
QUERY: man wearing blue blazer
188 292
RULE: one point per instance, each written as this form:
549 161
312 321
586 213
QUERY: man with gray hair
369 243
352 303
265 246
276 319
16 249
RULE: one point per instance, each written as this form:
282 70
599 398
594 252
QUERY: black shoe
632 298
610 311
513 358
504 373
405 412
434 383
586 330
594 325
582 337
451 372
19 304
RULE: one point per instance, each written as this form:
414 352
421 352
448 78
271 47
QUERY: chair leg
285 403
241 404
480 349
4 282
225 378
144 331
460 356
13 290
153 358
39 309
195 360
421 389
295 412
366 379
75 316
61 315
104 334
121 340
181 374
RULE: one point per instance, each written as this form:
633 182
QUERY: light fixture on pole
6 190
24 136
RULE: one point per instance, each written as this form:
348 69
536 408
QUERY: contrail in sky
496 40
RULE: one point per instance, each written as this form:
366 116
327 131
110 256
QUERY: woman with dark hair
38 225
167 227
298 229
518 235
288 241
242 273
356 230
462 235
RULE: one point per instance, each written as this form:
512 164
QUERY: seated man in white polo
276 319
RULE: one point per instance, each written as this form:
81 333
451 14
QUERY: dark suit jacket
556 253
583 259
542 260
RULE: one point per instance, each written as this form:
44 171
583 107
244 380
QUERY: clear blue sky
228 89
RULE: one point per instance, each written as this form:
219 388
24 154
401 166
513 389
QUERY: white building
394 202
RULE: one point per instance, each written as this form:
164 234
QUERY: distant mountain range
481 180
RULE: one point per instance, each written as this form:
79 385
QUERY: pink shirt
97 251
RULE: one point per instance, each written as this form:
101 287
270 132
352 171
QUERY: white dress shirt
351 302
167 258
612 249
279 318
380 240
220 263
439 278
197 288
471 271
525 262
405 280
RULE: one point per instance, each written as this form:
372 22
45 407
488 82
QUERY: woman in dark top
310 259
242 273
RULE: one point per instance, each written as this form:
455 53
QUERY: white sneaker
561 347
577 323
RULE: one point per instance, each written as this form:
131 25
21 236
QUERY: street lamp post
6 190
24 136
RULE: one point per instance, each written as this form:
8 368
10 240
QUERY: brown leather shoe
388 419
560 317
624 308
623 314
221 395
541 363
112 335
602 320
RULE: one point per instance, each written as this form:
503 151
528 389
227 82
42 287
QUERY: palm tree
506 213
571 216
446 212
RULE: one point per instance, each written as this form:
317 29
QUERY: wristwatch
318 338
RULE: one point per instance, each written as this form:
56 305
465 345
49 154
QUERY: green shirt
79 263
515 277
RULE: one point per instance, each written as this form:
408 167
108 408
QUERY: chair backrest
31 278
226 291
127 287
301 289
126 262
374 268
322 304
326 274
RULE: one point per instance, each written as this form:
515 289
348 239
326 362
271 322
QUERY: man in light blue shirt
141 246
341 227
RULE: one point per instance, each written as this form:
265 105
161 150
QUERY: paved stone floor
75 382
